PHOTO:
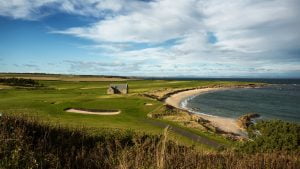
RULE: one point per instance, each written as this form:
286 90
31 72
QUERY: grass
209 135
42 76
28 143
49 103
4 86
58 139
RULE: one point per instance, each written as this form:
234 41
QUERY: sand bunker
86 88
93 111
62 88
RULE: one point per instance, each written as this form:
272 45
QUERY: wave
272 102
184 103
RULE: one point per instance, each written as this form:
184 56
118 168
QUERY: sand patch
176 99
86 88
4 87
110 96
62 88
177 82
93 111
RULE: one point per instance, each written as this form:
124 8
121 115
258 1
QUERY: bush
275 135
20 82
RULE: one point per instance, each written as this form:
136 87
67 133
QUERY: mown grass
28 143
50 102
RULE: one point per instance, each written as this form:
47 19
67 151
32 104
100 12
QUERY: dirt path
185 133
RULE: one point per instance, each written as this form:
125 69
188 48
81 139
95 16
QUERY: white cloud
243 26
253 26
155 22
250 35
30 9
22 9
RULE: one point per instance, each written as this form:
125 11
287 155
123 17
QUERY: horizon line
167 77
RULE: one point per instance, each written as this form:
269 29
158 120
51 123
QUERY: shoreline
224 123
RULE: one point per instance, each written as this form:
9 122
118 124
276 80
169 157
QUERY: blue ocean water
278 101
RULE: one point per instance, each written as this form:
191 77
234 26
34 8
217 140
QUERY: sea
280 100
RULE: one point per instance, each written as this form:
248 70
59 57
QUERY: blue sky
204 38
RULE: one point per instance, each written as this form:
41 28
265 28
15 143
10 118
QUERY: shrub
20 82
274 135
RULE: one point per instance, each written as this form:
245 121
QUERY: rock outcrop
246 120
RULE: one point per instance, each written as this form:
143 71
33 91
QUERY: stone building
117 89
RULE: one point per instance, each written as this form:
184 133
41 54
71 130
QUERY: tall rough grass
27 143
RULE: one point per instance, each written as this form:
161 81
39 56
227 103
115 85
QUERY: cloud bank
182 37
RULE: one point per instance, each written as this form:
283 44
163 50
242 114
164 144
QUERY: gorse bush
20 82
27 143
274 135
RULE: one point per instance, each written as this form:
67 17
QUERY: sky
187 38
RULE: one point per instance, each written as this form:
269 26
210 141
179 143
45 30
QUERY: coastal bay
223 123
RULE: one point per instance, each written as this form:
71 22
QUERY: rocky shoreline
246 120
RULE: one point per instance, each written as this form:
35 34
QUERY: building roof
119 86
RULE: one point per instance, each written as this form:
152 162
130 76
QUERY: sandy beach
225 124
